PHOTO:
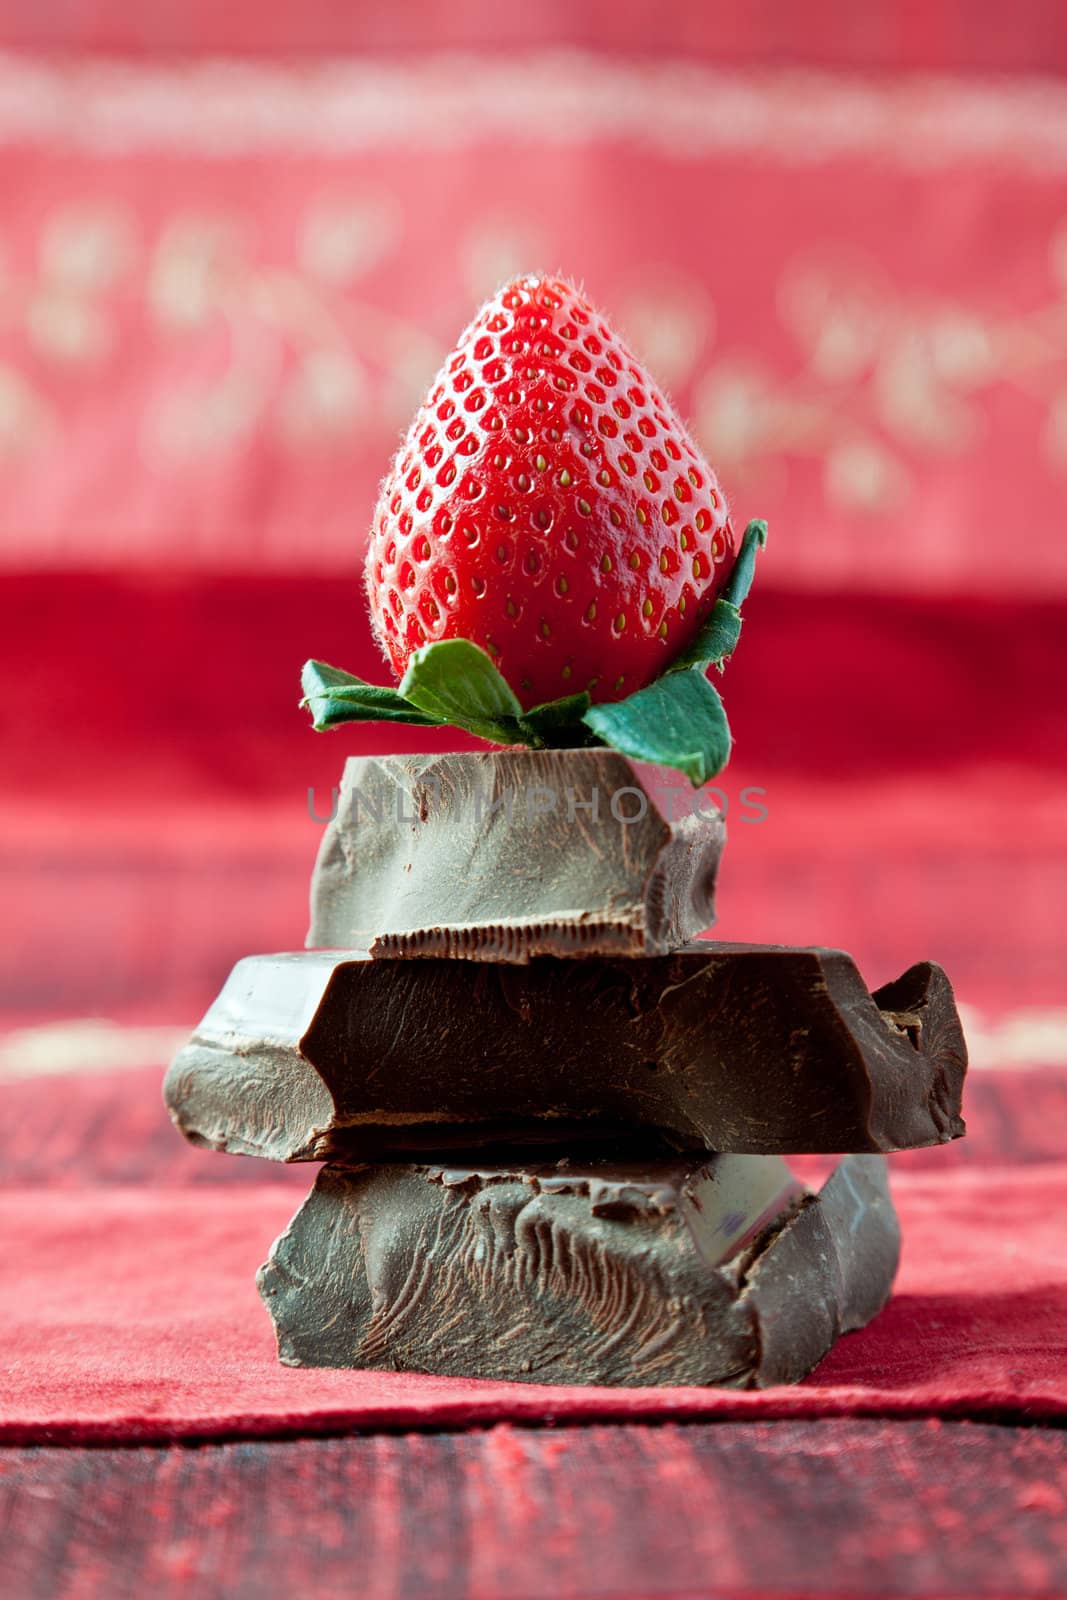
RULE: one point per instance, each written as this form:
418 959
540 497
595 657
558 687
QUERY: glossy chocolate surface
738 1048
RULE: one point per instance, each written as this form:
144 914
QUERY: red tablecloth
128 1310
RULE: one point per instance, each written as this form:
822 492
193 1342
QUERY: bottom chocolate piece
712 1270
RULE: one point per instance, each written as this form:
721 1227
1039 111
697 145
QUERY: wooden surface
776 1509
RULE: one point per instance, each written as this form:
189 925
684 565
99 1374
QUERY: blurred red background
234 244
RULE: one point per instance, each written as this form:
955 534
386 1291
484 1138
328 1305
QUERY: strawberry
548 505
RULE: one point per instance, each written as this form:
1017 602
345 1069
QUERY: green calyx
678 720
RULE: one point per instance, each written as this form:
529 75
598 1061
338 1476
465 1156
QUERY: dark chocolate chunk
741 1048
504 855
721 1270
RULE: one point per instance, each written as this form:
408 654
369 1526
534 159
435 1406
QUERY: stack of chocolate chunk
553 1122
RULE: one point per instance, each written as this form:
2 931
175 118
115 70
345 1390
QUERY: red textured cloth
131 1314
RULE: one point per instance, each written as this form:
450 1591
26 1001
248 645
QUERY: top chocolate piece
504 855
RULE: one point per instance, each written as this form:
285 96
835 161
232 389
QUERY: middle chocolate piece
741 1048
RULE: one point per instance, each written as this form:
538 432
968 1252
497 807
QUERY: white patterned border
1024 1038
685 110
84 1046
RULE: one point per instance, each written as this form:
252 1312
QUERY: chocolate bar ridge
514 1275
505 855
739 1048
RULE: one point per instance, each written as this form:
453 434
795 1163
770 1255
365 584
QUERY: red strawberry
548 504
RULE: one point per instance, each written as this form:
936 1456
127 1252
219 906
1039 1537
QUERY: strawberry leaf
554 713
558 723
677 721
716 640
740 579
333 697
455 681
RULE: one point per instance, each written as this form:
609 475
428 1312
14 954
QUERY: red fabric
155 828
132 1314
226 287
225 290
881 33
